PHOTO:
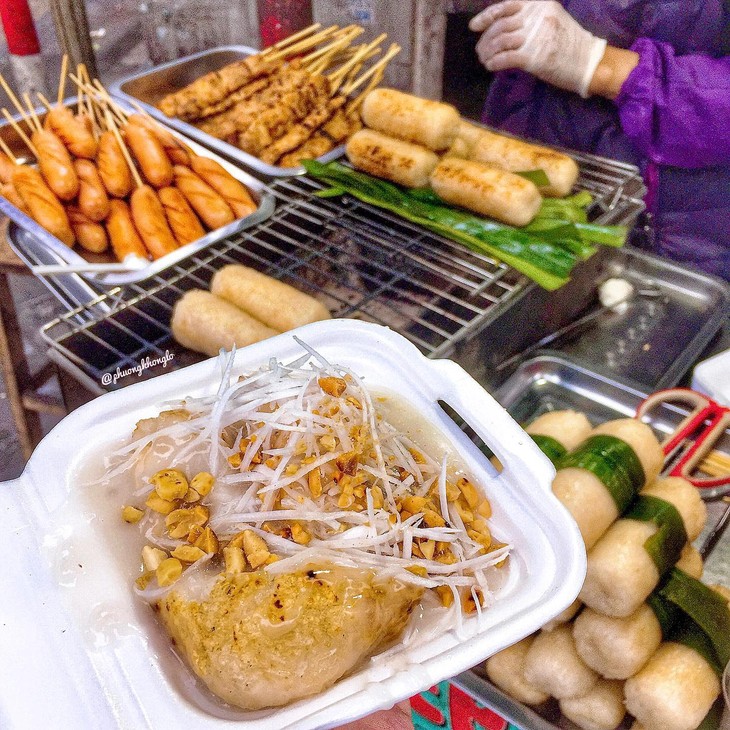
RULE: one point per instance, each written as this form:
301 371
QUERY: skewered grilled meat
188 103
301 132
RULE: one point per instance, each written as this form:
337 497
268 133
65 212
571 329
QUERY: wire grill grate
358 260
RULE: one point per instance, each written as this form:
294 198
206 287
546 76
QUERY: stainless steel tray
148 88
360 261
650 345
36 246
552 382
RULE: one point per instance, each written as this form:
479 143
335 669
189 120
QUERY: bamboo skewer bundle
106 176
290 101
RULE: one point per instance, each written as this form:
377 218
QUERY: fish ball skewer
587 498
568 428
553 666
621 573
617 648
506 670
673 691
602 708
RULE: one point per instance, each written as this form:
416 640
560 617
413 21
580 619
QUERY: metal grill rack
359 261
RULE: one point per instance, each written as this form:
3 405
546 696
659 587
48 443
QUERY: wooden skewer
341 39
16 101
21 133
338 76
44 101
8 152
303 45
118 111
125 150
360 55
356 103
393 51
716 464
31 110
329 56
291 39
62 78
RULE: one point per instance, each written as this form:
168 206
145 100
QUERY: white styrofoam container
712 377
80 651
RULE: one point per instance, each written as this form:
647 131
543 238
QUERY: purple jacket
672 117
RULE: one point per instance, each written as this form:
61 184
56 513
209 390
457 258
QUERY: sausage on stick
207 203
173 147
123 235
230 189
149 219
150 154
41 202
6 168
72 130
113 167
182 219
90 235
93 198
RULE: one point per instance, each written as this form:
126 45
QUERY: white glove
540 37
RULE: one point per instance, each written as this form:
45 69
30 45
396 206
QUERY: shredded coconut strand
265 434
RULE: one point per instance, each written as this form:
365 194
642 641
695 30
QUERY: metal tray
552 382
650 345
360 261
36 246
148 87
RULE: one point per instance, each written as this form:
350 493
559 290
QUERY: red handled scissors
695 436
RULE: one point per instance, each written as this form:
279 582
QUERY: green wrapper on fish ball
690 561
568 428
673 691
587 498
553 666
685 498
617 648
641 439
506 670
621 573
600 709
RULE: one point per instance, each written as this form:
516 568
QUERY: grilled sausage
42 204
211 207
93 198
173 147
73 131
150 155
6 168
112 166
90 235
401 162
407 117
124 237
182 219
230 189
8 191
56 165
487 190
149 219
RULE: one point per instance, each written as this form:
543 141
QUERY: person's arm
612 71
675 109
